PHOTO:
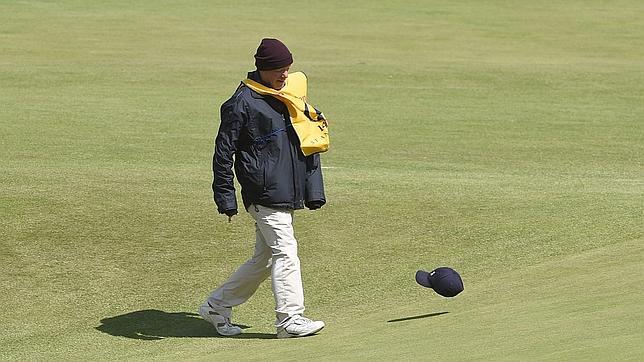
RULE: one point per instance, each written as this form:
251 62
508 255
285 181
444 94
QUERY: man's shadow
152 324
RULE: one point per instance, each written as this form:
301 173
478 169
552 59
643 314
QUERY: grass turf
504 141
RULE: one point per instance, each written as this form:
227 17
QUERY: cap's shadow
152 325
417 317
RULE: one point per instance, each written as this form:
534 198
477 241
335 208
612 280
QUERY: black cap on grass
445 281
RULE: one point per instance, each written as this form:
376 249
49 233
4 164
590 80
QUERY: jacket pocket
250 171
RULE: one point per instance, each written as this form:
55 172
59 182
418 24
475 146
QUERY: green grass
504 140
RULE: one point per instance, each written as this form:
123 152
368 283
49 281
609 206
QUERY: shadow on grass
417 317
153 325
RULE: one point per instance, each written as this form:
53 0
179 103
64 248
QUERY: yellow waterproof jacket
309 123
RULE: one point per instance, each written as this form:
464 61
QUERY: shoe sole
228 335
284 334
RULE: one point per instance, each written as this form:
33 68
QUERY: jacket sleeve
223 185
314 193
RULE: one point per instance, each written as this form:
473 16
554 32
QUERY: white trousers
275 255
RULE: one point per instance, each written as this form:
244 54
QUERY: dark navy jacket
256 136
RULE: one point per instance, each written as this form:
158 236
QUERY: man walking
257 139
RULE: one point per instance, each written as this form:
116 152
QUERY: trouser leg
245 280
276 227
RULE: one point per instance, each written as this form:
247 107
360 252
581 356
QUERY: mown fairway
503 139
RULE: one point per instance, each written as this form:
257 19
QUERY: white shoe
299 326
222 324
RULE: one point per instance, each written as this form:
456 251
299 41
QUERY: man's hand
230 214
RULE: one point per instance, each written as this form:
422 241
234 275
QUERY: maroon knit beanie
272 54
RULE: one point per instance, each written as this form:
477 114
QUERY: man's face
275 78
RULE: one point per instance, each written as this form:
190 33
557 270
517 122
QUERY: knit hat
445 281
272 54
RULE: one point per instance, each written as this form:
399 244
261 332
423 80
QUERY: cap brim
422 278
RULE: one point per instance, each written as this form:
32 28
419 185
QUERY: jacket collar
254 75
